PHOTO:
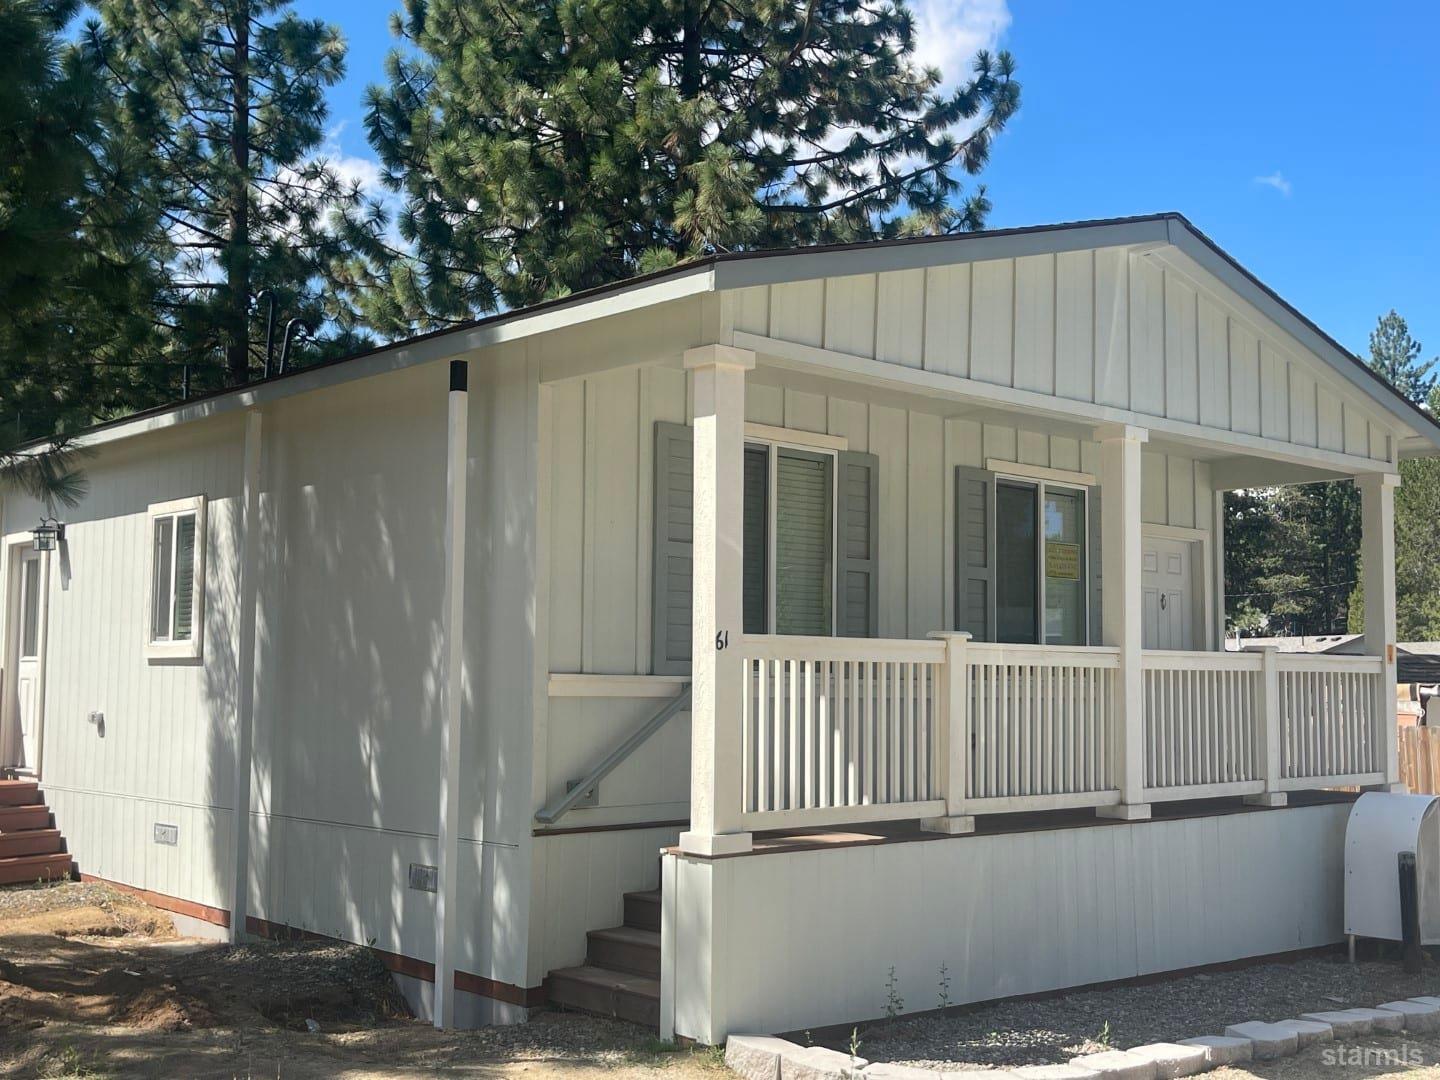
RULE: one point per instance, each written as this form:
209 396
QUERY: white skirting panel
781 942
578 884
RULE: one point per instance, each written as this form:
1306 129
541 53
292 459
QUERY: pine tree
1417 556
1395 355
548 147
228 97
76 270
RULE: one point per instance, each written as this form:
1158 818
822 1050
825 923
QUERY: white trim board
1040 472
796 437
580 685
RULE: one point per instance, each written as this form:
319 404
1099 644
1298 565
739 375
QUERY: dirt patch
94 983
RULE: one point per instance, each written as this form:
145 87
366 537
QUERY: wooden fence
1420 759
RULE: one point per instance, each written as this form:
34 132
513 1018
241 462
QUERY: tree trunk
237 250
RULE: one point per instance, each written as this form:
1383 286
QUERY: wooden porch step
620 994
19 792
624 948
642 910
30 868
17 818
31 842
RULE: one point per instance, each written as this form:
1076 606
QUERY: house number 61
722 639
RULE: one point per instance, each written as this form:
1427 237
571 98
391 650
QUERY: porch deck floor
781 841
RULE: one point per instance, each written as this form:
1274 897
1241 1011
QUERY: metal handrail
552 813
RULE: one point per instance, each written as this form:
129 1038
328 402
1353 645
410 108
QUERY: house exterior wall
163 754
1007 914
348 643
1107 326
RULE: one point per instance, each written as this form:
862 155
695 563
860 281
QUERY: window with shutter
1027 559
810 528
177 583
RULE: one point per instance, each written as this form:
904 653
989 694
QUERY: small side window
177 580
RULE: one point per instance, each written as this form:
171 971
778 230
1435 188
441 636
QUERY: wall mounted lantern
48 534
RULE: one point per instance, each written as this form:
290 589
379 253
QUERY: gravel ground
1056 1029
21 901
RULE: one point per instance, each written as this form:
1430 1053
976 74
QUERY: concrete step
624 948
17 818
31 868
19 792
620 994
642 910
31 842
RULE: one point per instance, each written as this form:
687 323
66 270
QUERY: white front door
1166 586
27 615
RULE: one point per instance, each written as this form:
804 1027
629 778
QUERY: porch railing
838 729
843 730
1039 725
1201 716
1330 720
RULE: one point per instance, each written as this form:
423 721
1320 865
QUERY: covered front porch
1042 697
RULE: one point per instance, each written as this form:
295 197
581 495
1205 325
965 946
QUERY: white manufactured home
704 647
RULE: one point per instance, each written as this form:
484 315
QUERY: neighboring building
702 545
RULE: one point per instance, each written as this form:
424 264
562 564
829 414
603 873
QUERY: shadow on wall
348 637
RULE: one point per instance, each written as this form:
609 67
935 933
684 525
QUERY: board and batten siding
1104 326
348 637
160 756
602 473
602 501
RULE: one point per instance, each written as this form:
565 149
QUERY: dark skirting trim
530 997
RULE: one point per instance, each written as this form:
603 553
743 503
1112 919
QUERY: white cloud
352 168
1275 180
948 33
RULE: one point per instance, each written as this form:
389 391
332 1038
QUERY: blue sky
1304 138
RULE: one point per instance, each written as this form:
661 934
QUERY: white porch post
1267 731
953 749
718 373
1121 626
1377 554
453 629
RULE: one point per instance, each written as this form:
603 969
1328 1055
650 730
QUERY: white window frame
772 445
164 648
1040 485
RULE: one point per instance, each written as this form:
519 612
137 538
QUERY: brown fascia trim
529 997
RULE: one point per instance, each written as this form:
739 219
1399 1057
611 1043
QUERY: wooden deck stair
621 973
31 848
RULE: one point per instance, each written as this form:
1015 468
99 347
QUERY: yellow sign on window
1062 561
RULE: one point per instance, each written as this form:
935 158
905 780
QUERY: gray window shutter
673 556
858 559
1092 519
757 523
802 542
974 552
